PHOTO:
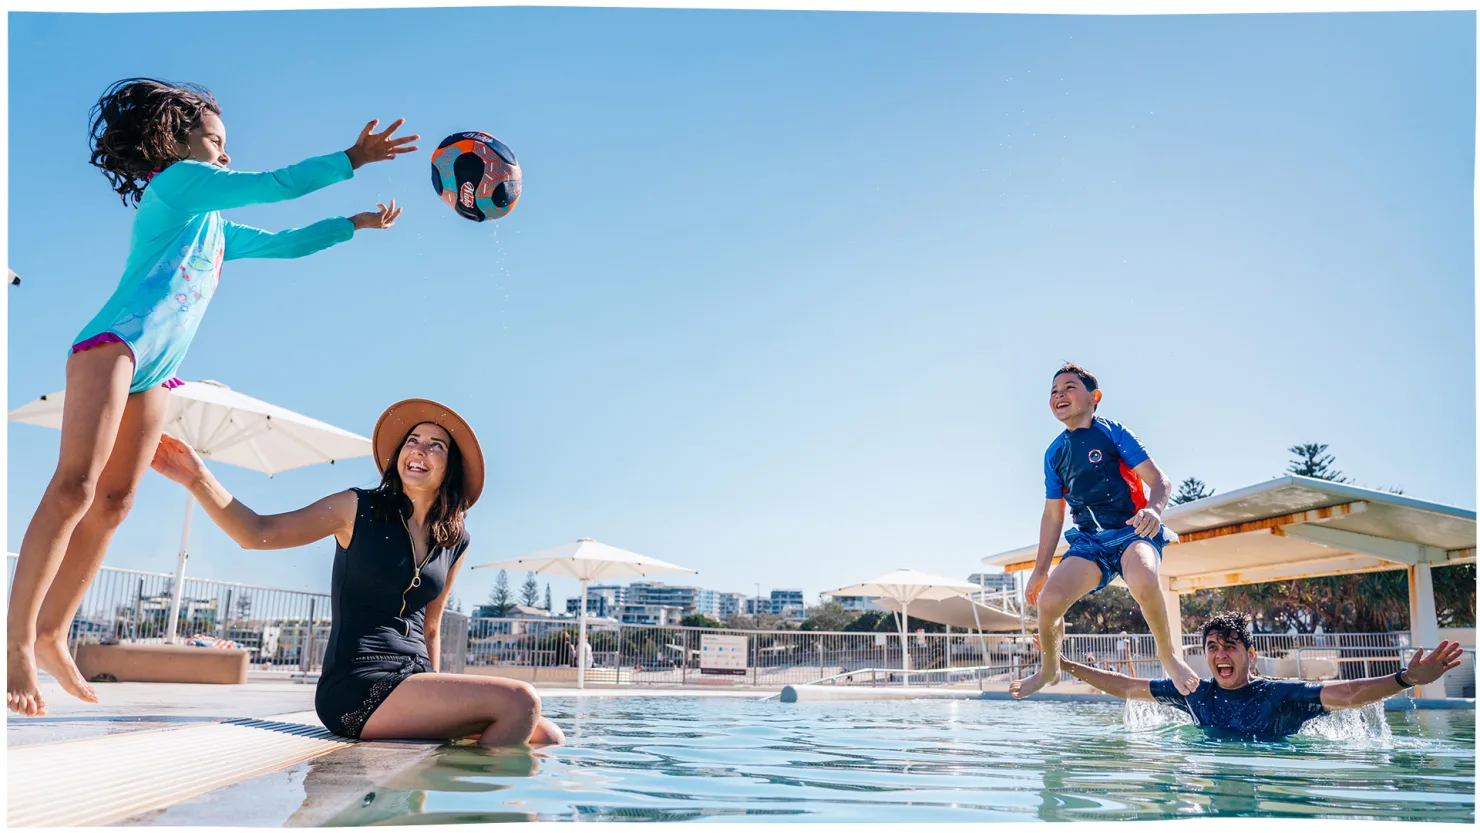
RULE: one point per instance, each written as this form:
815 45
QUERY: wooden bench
124 663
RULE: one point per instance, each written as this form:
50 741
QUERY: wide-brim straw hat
400 418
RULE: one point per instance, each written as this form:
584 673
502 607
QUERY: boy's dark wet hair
1086 378
138 126
1232 626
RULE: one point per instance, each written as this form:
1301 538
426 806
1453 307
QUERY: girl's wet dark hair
445 518
138 126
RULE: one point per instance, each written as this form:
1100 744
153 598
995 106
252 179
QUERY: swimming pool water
958 761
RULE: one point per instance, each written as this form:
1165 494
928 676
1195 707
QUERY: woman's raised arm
333 515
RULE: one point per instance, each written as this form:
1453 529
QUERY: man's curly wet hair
1233 626
138 126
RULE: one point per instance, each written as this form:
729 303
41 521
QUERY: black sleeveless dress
378 601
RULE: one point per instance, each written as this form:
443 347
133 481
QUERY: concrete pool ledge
147 747
90 782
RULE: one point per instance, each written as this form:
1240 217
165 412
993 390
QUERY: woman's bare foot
22 691
545 733
1029 685
1183 677
53 657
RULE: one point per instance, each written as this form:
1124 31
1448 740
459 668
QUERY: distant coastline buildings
657 603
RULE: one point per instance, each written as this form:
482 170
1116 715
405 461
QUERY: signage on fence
723 654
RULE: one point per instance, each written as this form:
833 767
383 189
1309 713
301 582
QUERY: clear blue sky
785 291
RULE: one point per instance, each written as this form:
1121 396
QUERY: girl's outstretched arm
198 187
245 241
334 515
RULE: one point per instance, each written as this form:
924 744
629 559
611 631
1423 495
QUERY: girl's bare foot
53 657
22 691
1029 685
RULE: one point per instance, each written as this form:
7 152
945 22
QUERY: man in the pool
1237 703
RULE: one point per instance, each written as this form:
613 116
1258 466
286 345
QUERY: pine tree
548 608
530 593
499 599
1191 489
1313 461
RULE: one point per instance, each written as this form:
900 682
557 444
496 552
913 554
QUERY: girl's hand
383 218
178 461
378 147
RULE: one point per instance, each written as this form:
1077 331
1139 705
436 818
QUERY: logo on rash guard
1095 456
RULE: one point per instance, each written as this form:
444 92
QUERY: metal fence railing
673 655
287 630
283 630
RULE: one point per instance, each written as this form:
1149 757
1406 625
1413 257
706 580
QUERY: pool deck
171 754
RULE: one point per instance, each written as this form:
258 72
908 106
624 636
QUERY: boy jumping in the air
1101 470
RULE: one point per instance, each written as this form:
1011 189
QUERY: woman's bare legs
138 436
500 712
97 390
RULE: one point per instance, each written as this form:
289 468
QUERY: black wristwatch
1398 677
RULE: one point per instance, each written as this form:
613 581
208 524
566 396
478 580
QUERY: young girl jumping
163 149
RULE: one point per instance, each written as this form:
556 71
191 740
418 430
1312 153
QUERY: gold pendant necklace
416 571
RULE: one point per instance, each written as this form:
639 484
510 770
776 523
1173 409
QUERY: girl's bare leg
138 436
97 390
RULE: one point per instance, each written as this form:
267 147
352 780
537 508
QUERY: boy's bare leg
1138 568
1067 584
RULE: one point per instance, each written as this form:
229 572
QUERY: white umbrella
230 427
960 612
905 586
587 561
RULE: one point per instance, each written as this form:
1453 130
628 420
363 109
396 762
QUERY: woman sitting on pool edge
399 548
1237 702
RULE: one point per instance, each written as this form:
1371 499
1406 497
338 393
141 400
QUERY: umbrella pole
904 642
180 571
581 646
1022 607
980 639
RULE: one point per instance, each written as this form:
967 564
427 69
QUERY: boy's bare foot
1183 677
1030 685
53 657
22 691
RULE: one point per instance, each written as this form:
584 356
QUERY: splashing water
1365 728
1145 715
